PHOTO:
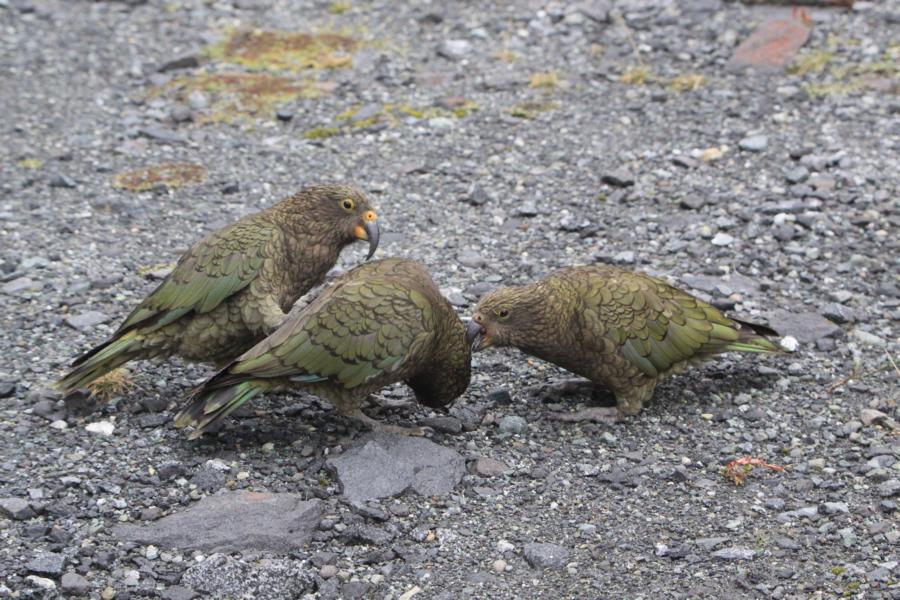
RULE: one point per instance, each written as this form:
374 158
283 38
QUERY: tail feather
213 401
753 337
99 361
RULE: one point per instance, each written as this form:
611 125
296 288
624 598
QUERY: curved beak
475 335
371 233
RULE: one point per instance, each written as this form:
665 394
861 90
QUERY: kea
236 285
623 330
380 323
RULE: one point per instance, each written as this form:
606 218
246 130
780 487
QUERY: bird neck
550 317
445 375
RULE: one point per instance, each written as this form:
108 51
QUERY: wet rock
379 466
16 509
546 556
86 320
47 563
512 424
74 584
621 177
807 327
233 522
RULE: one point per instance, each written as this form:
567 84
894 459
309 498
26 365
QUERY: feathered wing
210 272
367 327
657 327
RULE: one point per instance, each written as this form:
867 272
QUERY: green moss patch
172 175
266 50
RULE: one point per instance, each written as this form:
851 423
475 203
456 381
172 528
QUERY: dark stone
807 327
177 592
621 177
162 134
233 522
75 584
62 181
444 424
47 563
7 389
16 509
546 556
370 535
381 465
189 61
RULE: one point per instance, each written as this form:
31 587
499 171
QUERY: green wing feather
214 269
657 326
364 327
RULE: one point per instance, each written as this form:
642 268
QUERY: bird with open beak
623 330
236 285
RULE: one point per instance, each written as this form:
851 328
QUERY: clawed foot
379 427
597 414
572 387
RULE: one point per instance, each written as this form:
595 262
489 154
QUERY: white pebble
101 427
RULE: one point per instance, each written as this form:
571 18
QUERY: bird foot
572 387
597 414
379 427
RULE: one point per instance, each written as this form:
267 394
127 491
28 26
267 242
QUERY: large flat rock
381 465
233 522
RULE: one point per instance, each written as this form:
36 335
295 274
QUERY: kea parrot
236 285
382 322
624 331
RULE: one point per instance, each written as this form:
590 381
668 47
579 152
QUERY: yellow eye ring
503 313
348 204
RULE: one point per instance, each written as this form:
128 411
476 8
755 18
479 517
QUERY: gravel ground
499 141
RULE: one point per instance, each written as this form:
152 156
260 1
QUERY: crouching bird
380 323
235 286
622 330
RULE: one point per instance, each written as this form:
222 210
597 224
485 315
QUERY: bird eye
503 313
348 204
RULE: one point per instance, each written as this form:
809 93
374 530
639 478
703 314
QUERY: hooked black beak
474 335
373 234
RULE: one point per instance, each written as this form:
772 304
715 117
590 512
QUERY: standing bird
625 331
236 285
381 323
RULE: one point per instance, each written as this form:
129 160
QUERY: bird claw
597 414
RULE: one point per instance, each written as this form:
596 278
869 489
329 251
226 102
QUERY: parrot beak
475 335
369 231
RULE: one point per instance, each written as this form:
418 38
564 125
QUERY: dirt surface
499 141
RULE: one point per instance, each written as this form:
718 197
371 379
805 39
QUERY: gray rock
454 49
710 543
722 239
197 100
223 576
47 563
527 209
62 181
86 320
379 466
75 584
869 416
839 313
597 10
833 508
512 424
189 61
477 196
797 175
889 488
19 285
16 509
233 522
369 535
621 177
489 467
444 424
734 553
366 112
807 327
754 143
546 556
163 134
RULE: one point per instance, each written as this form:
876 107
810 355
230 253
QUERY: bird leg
379 427
573 387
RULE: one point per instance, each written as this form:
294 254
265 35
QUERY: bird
237 284
383 322
625 331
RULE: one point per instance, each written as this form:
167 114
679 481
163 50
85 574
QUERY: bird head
502 317
349 210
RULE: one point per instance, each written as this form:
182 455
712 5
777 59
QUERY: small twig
629 34
891 360
738 469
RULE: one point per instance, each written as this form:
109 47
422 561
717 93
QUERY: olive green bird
380 323
622 330
235 286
